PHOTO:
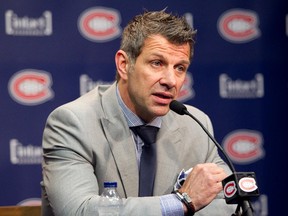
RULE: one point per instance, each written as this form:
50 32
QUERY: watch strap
186 200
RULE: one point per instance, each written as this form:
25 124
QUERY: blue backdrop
52 52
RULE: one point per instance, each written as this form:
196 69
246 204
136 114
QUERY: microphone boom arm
230 164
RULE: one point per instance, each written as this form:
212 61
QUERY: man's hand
203 184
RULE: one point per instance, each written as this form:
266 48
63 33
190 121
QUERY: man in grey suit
89 141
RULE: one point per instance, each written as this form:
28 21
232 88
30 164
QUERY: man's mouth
163 97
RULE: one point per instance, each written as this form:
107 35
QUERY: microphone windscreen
178 107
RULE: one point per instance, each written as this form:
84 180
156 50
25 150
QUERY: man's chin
161 110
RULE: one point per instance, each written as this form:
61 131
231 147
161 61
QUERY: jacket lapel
123 151
169 153
121 142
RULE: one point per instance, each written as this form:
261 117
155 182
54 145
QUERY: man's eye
181 68
156 63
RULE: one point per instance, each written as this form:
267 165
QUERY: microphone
239 186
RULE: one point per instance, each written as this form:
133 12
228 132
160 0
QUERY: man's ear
122 64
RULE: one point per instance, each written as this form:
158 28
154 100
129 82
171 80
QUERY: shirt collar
131 118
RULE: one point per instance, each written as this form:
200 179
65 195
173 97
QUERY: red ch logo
100 24
230 189
244 146
239 26
30 87
247 184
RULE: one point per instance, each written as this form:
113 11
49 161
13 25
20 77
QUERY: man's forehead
158 46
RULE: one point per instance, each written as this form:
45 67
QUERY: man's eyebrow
157 55
161 56
185 62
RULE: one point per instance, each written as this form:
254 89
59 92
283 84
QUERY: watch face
185 195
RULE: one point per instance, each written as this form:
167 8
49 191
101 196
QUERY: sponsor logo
241 88
87 83
247 184
28 26
100 24
229 189
239 26
244 146
30 87
187 92
20 154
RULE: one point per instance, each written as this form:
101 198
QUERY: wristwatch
186 200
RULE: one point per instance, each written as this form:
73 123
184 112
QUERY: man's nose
168 78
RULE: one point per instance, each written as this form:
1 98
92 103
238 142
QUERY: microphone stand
247 209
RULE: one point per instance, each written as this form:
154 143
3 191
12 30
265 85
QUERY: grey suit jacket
87 142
